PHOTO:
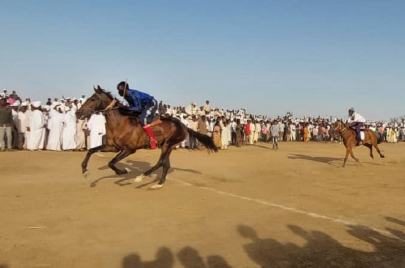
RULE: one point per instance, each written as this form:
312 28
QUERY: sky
270 57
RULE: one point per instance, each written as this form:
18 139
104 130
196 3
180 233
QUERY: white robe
22 127
186 141
69 131
26 124
37 130
80 137
55 126
225 136
44 139
96 125
252 133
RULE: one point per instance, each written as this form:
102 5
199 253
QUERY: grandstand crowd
32 125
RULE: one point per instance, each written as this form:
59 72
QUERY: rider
143 103
356 122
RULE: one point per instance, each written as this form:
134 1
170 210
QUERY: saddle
362 132
128 112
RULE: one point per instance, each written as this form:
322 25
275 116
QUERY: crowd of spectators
53 126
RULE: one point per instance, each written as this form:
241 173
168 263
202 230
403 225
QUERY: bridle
100 109
102 100
340 130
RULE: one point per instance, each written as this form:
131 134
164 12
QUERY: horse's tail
204 139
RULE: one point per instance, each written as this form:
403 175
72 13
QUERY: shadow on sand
137 168
187 256
327 160
321 250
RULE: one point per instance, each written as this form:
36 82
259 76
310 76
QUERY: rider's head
351 111
121 87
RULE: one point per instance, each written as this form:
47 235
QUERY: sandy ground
244 207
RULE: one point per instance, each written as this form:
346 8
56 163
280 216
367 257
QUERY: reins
340 131
106 109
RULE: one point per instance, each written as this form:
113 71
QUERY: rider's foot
153 144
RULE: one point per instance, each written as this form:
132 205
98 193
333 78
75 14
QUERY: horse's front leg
356 159
346 156
124 153
87 158
104 148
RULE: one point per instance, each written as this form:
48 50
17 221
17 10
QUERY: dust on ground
243 207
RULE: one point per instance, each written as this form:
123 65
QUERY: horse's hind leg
149 171
121 155
378 151
155 167
371 150
166 167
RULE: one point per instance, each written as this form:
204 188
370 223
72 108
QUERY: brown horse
125 135
349 140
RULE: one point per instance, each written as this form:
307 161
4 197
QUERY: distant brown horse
349 140
125 134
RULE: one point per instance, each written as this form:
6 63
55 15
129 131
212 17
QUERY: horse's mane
109 95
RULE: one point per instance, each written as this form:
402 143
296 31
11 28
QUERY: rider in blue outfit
142 103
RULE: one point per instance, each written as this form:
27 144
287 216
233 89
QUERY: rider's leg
146 113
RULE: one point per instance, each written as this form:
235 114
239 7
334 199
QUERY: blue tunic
138 100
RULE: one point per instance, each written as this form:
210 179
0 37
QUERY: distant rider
356 122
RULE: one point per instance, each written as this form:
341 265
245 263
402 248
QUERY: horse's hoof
156 187
127 170
86 173
139 178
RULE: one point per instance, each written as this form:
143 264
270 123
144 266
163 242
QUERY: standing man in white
36 126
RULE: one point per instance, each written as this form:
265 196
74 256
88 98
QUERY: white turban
36 104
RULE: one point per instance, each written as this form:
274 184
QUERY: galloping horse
125 134
350 141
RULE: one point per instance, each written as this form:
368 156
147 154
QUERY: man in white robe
45 110
55 126
257 131
292 131
252 132
225 134
187 124
96 126
36 127
69 130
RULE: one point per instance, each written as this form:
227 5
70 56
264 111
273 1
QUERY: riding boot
153 141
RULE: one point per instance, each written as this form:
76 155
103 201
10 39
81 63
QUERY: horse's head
97 102
338 126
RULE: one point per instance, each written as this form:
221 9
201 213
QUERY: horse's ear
98 89
95 90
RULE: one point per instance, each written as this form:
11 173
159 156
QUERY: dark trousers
233 137
357 126
192 143
275 142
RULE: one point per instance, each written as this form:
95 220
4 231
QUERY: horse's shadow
261 146
138 166
326 160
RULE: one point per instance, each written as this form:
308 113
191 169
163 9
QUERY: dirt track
245 207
